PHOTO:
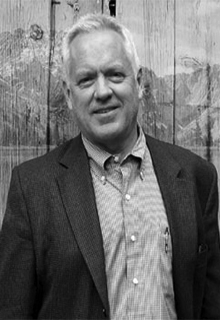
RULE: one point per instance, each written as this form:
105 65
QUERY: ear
67 94
139 81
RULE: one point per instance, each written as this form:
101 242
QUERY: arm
17 260
211 302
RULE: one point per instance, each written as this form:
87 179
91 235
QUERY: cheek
78 102
131 99
83 98
81 110
128 91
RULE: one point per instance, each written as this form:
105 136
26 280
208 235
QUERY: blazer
52 262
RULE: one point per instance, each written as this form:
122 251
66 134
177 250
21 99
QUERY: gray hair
92 22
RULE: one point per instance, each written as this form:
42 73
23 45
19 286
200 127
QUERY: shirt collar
100 156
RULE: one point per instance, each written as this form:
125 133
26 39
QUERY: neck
120 146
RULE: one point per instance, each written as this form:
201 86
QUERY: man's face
103 90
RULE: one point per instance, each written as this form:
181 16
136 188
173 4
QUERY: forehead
98 46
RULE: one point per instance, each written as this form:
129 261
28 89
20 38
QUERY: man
112 224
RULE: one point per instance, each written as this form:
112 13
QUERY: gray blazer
51 251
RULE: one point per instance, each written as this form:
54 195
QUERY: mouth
105 110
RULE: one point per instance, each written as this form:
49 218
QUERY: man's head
102 82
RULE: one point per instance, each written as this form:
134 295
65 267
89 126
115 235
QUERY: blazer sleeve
211 302
17 260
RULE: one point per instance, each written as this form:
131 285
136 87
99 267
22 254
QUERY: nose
102 89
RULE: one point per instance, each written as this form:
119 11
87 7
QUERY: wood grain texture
24 26
197 57
198 77
151 23
109 7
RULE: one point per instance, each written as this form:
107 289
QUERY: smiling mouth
105 110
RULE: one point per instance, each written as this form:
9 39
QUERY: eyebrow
84 72
89 70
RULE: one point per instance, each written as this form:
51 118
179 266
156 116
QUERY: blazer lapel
178 196
79 200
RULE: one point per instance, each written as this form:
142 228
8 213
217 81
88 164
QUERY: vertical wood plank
109 7
198 77
62 123
68 11
152 25
24 26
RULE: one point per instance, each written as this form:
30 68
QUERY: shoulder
48 164
193 165
187 166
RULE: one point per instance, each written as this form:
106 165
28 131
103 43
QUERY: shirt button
116 159
135 281
103 179
127 197
133 238
141 175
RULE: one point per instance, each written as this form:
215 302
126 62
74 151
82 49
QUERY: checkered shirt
135 231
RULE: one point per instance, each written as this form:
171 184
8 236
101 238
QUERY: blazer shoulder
48 163
189 161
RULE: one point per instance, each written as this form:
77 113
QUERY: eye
85 79
85 82
116 76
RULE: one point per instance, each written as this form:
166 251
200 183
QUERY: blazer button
104 313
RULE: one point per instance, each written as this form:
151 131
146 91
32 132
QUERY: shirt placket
134 261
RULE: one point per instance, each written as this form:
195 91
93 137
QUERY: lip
106 110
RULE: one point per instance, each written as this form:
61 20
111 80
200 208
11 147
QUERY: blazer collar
78 196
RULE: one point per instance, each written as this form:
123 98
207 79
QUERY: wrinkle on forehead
99 49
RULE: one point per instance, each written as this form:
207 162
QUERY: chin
109 135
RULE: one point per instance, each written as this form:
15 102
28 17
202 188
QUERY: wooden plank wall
178 44
153 32
24 29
